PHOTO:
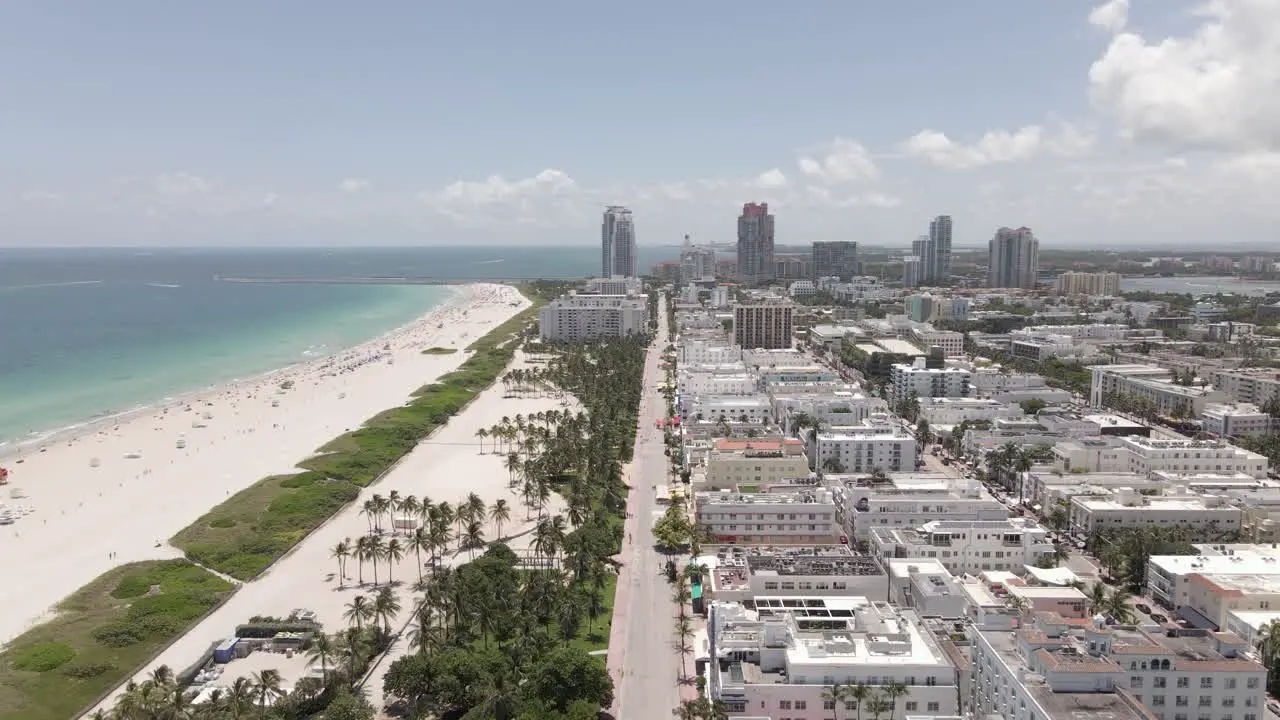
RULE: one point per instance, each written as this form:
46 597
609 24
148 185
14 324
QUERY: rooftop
818 560
814 496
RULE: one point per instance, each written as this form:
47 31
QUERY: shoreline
161 469
17 446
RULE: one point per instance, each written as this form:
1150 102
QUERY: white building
966 546
575 318
953 411
1235 420
779 666
707 379
1191 457
616 285
757 575
701 351
951 343
1204 517
923 382
909 500
1170 578
798 517
865 448
1152 383
833 407
750 409
1254 385
1051 670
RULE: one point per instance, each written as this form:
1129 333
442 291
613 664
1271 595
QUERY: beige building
733 463
1083 283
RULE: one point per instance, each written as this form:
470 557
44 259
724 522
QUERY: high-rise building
1013 259
1082 283
937 255
766 326
617 243
835 259
696 262
915 266
755 244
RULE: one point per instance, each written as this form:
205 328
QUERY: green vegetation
439 351
101 634
505 636
1124 553
249 531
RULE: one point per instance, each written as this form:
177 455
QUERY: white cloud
496 189
180 183
843 161
353 186
40 197
771 179
1111 16
996 146
1217 88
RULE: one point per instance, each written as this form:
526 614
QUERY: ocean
88 333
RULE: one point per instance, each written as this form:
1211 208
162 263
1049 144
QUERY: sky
504 122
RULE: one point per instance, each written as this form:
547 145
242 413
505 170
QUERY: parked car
1145 608
1157 617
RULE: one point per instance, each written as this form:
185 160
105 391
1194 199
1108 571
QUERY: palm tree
377 549
482 434
1118 607
859 694
239 698
341 552
321 649
392 554
1017 604
684 637
512 464
1097 598
420 540
473 539
499 513
385 607
835 695
359 611
369 508
267 686
361 553
410 506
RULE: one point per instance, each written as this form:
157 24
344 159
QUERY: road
642 657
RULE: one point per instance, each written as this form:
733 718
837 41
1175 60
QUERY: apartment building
616 285
758 462
917 380
700 351
1236 420
779 665
953 411
1052 669
867 447
749 409
908 500
951 343
1191 457
1154 384
830 408
1203 517
793 517
1172 580
1105 284
1253 385
753 573
767 326
966 546
578 318
729 378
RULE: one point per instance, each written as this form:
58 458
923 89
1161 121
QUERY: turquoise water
75 352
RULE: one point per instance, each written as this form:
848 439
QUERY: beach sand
445 467
115 493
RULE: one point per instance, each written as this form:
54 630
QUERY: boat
182 441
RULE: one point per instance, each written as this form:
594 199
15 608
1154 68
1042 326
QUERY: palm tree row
1008 466
876 699
502 615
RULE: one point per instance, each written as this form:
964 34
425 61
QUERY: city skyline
170 128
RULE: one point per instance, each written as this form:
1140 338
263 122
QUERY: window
850 704
1206 683
1157 700
801 704
1159 682
1135 682
911 706
828 704
1206 701
1252 684
1231 683
784 704
1184 682
932 707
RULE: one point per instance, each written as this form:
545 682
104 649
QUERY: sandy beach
446 467
115 493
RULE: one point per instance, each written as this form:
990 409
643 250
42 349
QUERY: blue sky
292 123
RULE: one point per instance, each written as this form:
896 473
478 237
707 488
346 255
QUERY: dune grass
101 635
245 534
439 351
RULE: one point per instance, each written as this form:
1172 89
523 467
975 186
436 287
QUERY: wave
489 262
162 285
67 283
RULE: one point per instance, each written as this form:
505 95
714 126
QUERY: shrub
43 657
131 586
85 671
118 634
223 522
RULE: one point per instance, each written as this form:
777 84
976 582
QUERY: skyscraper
937 256
755 244
915 265
1013 259
617 243
696 262
835 259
